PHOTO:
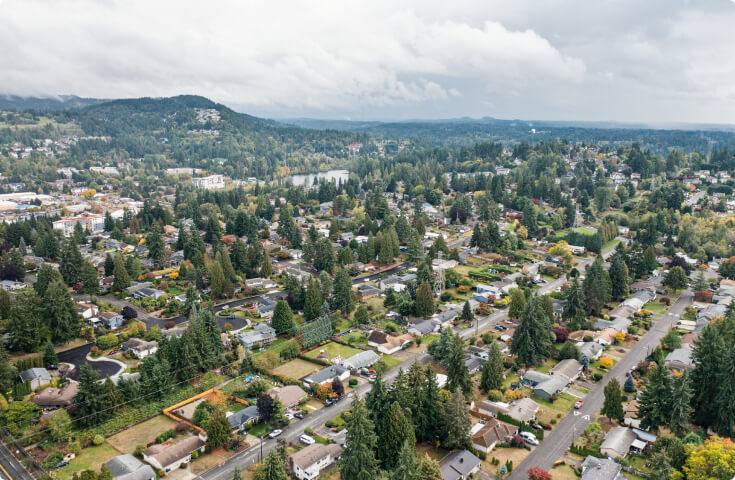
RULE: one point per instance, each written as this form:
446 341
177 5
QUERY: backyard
333 350
91 458
141 434
296 369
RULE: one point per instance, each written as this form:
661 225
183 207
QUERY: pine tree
362 317
654 405
154 242
431 407
49 355
414 251
629 385
612 407
533 339
681 404
619 279
224 260
597 287
25 322
266 268
428 469
574 310
725 398
122 280
377 402
406 465
271 469
395 431
458 376
217 281
456 423
90 281
492 370
699 283
708 355
313 301
22 247
46 276
358 457
517 303
343 299
89 401
390 298
6 304
282 317
236 473
467 315
218 428
109 265
424 304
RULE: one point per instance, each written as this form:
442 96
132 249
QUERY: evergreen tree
25 322
390 298
223 258
699 283
343 295
22 247
597 287
414 253
456 423
154 242
458 376
218 428
61 313
395 431
271 469
676 279
377 402
428 469
362 317
132 265
654 405
90 403
533 339
681 404
217 281
406 466
313 301
708 355
282 317
266 268
358 457
49 355
46 276
109 265
612 407
725 398
8 372
122 280
325 285
109 222
6 304
517 303
428 426
619 279
492 370
467 315
629 385
424 304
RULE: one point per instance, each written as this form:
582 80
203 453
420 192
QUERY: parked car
307 440
275 433
579 404
62 463
330 401
529 437
298 415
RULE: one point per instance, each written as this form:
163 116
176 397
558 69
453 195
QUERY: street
558 441
10 468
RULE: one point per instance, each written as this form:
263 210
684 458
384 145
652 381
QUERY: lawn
91 458
141 434
390 361
564 403
655 307
430 338
563 472
296 369
333 350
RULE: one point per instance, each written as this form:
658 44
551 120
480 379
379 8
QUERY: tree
538 473
406 465
90 280
612 407
25 322
619 279
458 376
533 339
428 469
492 370
49 355
713 460
362 317
467 315
343 295
699 283
59 426
396 429
424 304
217 282
70 262
569 351
105 473
456 423
358 457
89 401
654 404
629 385
681 404
517 302
122 280
725 398
266 268
271 468
218 428
61 313
109 265
264 403
575 312
8 372
597 287
338 387
675 279
46 275
705 378
282 317
313 301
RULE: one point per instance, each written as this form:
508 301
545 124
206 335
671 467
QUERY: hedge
584 451
522 426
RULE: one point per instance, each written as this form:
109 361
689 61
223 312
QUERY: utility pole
261 447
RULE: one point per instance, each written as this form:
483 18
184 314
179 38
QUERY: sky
657 61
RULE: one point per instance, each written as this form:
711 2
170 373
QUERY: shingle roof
325 374
594 468
458 464
168 454
243 416
493 431
362 359
313 453
127 467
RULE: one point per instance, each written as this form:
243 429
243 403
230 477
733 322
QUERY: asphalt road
558 441
10 468
78 357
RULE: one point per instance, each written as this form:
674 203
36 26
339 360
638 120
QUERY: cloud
567 59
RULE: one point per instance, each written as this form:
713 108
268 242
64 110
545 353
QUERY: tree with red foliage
538 473
562 334
703 296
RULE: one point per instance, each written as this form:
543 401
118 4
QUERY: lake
330 175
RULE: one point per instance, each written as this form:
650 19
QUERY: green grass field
333 350
564 403
297 368
91 458
655 307
141 434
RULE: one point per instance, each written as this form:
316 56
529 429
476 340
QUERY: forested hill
466 131
63 102
192 131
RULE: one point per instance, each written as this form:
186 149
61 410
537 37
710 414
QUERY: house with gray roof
568 368
680 359
327 375
594 468
592 350
619 324
261 334
426 327
127 467
266 307
246 416
617 442
363 359
36 377
459 465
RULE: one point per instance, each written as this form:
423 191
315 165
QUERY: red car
579 404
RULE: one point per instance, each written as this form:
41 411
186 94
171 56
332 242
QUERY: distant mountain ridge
62 102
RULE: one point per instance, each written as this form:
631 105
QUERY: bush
495 396
309 431
166 435
606 362
445 296
463 289
169 324
598 376
98 439
107 341
353 382
53 459
588 338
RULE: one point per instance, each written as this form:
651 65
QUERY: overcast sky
624 60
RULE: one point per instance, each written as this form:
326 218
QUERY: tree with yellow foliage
713 460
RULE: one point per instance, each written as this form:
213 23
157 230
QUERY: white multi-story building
93 223
309 462
210 183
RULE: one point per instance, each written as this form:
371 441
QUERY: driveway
78 357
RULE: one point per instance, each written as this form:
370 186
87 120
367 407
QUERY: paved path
558 441
10 468
78 356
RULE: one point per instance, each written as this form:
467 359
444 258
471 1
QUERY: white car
529 437
275 433
307 440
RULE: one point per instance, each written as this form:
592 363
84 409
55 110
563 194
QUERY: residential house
478 352
445 318
459 465
301 275
261 283
360 360
546 385
522 410
425 327
147 292
12 285
87 310
617 442
169 457
388 344
140 348
619 324
127 467
266 307
680 359
603 337
327 375
591 350
309 462
36 377
247 416
111 320
474 364
493 432
443 264
396 282
365 291
569 369
594 468
288 395
261 334
56 397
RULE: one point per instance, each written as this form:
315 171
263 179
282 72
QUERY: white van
306 440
